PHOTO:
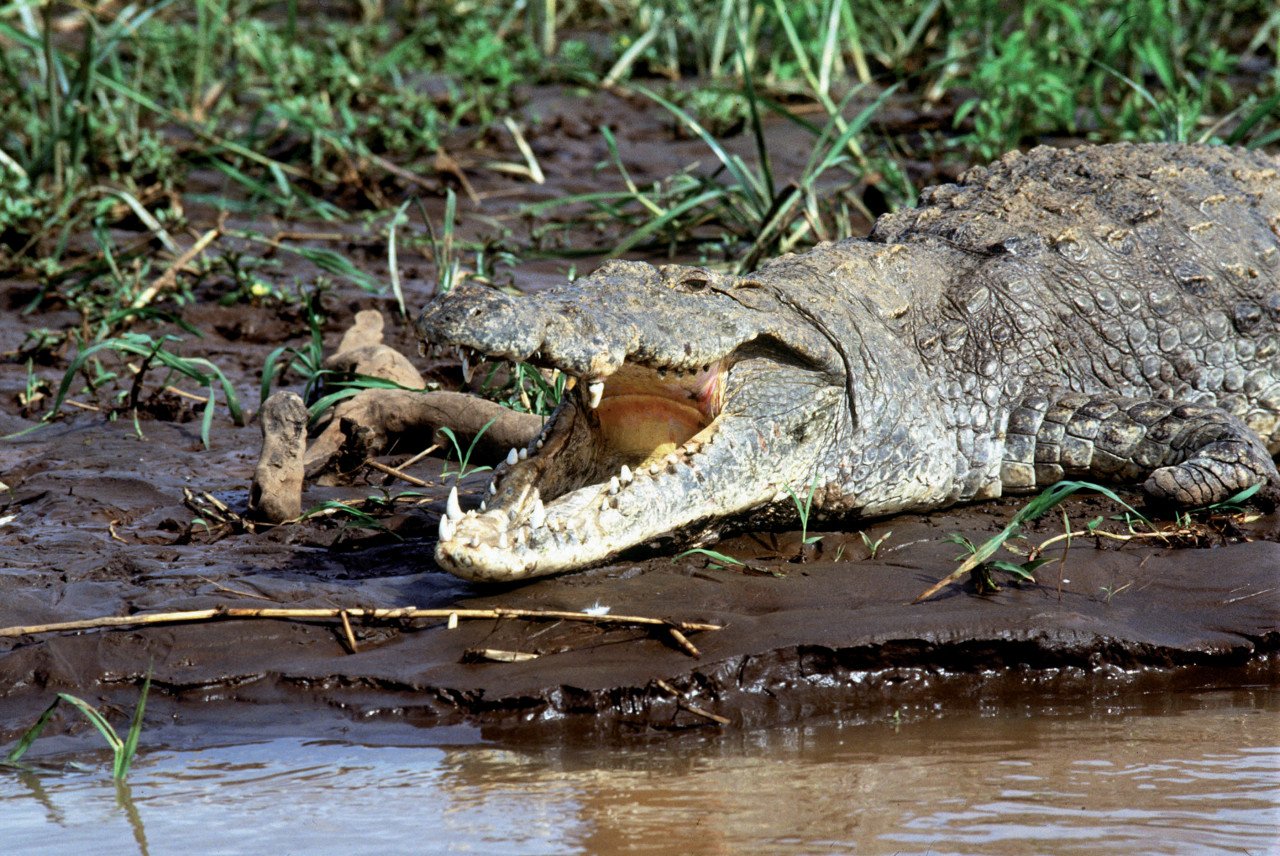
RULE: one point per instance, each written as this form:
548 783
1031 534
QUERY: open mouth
611 445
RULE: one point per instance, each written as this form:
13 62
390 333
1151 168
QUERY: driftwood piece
276 493
370 422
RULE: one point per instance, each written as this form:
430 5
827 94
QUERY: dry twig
399 613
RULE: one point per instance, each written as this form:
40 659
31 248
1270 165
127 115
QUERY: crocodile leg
1190 454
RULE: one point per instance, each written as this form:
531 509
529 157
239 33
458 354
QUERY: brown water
1190 773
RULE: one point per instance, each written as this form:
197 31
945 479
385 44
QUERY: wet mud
95 524
100 529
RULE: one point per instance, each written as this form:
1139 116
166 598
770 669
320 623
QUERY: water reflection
1200 775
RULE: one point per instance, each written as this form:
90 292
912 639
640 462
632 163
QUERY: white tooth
503 543
484 506
614 485
452 508
493 489
471 512
467 369
595 390
524 454
540 443
512 457
446 528
538 517
625 475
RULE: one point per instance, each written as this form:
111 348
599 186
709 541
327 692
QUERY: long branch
389 614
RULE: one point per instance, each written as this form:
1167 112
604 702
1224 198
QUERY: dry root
370 423
378 419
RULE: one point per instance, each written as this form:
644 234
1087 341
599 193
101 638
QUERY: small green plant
151 350
306 361
718 561
464 458
1111 591
527 389
448 266
873 547
803 509
123 750
978 557
353 516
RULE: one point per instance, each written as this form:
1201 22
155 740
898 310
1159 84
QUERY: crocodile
1106 312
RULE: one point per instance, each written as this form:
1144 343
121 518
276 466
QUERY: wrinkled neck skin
891 450
812 385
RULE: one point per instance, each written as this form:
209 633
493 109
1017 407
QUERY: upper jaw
626 312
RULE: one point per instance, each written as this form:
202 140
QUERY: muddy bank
99 528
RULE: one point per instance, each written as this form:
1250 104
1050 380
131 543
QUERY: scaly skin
1110 313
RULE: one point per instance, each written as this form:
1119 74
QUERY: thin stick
683 641
418 457
685 705
389 614
189 395
392 471
167 279
346 629
82 406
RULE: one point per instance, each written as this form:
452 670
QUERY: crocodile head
694 397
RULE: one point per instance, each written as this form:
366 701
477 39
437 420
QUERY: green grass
123 749
979 559
340 115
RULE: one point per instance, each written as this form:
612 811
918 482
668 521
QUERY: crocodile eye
695 283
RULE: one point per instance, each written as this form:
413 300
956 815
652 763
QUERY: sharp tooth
503 543
653 469
538 517
467 369
595 390
524 454
452 508
471 512
540 444
614 485
484 506
493 489
625 475
512 457
446 528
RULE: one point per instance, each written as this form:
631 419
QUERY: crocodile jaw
768 395
573 500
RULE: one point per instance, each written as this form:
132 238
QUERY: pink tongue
638 426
